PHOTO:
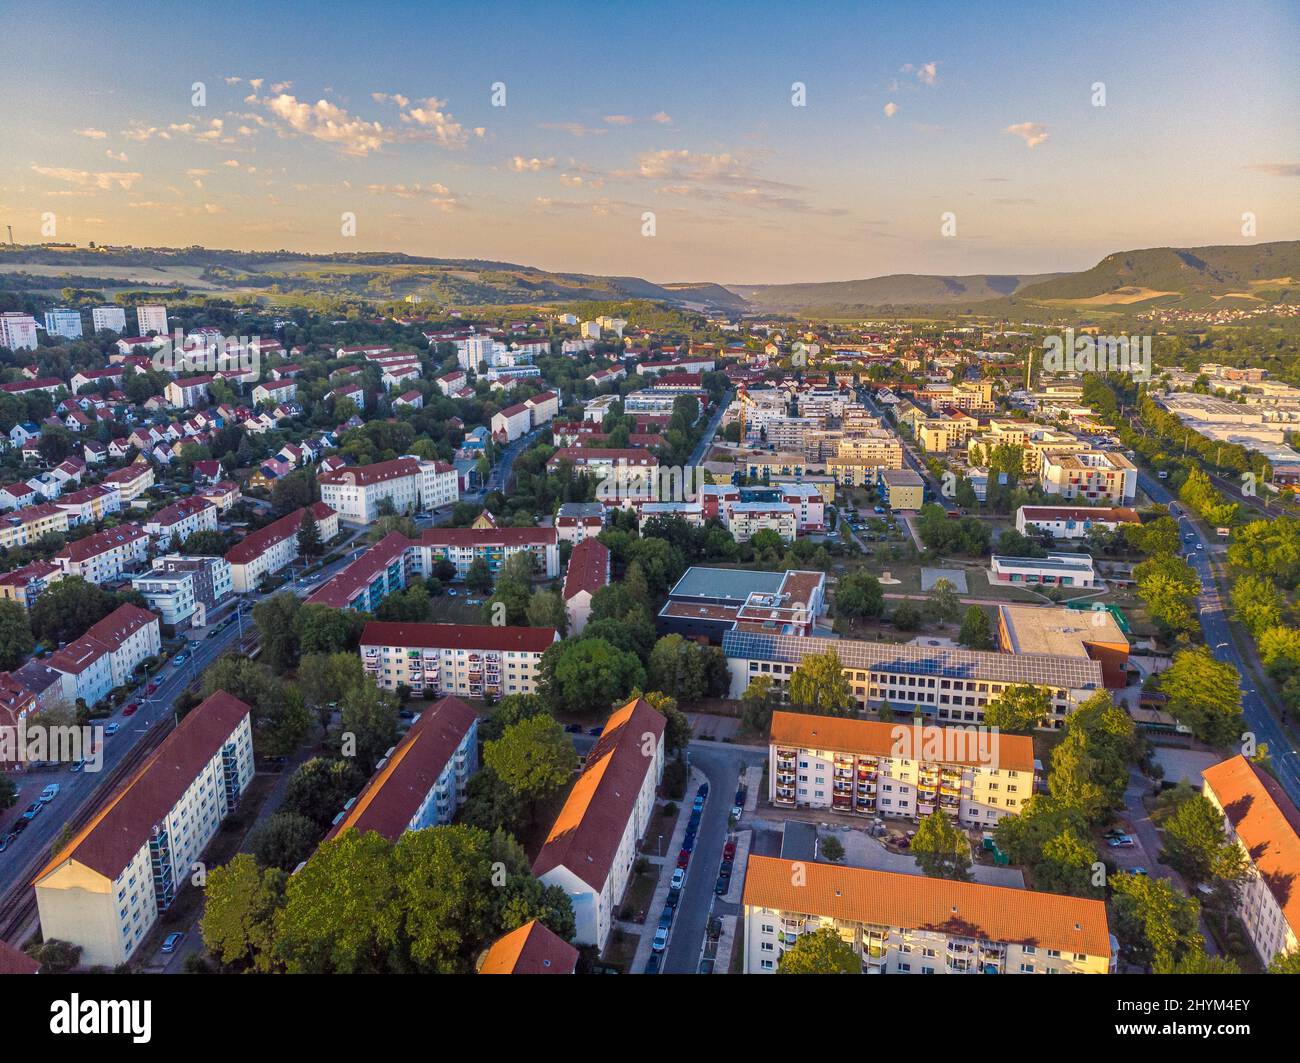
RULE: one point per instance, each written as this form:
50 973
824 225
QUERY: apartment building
1054 570
1100 476
881 769
532 949
909 924
1261 818
592 845
422 780
173 524
463 546
18 331
1073 522
170 595
63 322
112 318
274 392
900 489
706 603
264 552
151 319
747 519
22 527
470 660
105 555
24 585
409 483
106 888
520 419
576 521
367 581
940 434
588 571
132 480
106 655
210 581
90 504
945 685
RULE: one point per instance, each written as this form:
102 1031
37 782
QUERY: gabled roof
109 842
458 636
588 568
585 837
532 949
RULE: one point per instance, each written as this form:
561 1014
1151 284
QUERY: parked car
723 884
1141 871
688 843
573 728
683 858
7 841
666 917
20 824
653 963
679 879
736 810
703 790
405 714
49 794
1122 842
661 940
698 806
111 729
130 709
172 940
674 898
726 867
729 851
77 765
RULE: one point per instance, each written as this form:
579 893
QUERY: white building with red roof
104 555
264 552
469 660
588 571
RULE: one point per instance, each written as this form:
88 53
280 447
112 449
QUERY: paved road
722 766
702 448
499 478
911 456
1218 636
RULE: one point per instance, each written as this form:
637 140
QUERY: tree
1169 586
67 608
588 675
821 952
325 678
944 602
547 610
830 848
368 724
976 631
1205 694
1285 963
757 702
319 788
309 542
16 639
941 850
284 841
1018 709
1195 844
677 735
907 617
819 685
241 903
324 629
1065 865
534 758
279 717
1155 923
676 667
207 543
275 619
478 577
859 594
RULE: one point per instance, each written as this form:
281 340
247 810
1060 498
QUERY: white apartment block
881 769
106 888
63 322
409 483
910 924
590 850
106 655
112 318
18 331
422 780
151 319
463 546
470 660
944 686
1098 476
169 594
105 555
1054 570
1261 818
264 552
1073 522
180 520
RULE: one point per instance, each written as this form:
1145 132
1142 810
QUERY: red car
729 851
151 688
683 858
130 709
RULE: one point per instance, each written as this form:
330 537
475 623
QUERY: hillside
899 289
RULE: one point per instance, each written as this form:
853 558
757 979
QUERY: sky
740 143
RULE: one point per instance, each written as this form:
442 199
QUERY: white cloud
891 109
574 129
618 119
116 156
662 117
384 97
436 193
521 165
329 123
102 180
432 116
926 73
1032 133
92 134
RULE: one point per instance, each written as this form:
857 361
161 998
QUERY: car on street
1122 842
698 806
666 917
679 879
77 765
20 824
703 790
180 659
736 810
49 793
172 940
660 941
130 709
653 964
33 810
674 898
7 841
723 884
726 867
688 843
683 859
729 851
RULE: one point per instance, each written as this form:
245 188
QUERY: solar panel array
1067 673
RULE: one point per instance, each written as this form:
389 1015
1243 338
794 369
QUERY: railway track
19 905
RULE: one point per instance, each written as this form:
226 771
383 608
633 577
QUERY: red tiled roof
364 475
588 568
435 537
532 949
458 636
587 832
397 790
178 511
109 842
101 542
260 541
339 591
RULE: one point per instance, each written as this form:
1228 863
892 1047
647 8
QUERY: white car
679 877
661 940
49 793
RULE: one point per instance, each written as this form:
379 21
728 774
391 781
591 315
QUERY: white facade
112 318
18 331
151 319
65 323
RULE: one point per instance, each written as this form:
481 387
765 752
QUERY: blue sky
384 111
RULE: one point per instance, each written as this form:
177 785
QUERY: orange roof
951 745
1268 824
588 568
532 949
913 902
112 838
396 791
585 836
